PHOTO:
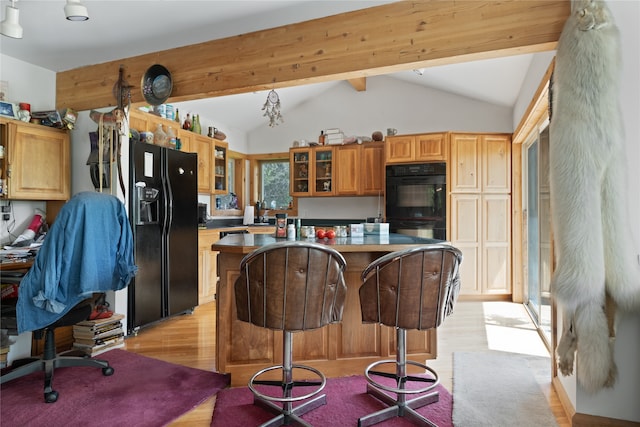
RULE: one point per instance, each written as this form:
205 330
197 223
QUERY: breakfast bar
345 348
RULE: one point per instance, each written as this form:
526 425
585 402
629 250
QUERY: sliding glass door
538 230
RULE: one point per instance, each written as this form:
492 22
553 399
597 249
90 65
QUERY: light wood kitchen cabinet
322 170
202 146
212 168
219 167
207 265
480 163
481 211
343 170
348 170
429 147
372 173
481 229
186 138
311 171
208 259
359 169
35 165
299 172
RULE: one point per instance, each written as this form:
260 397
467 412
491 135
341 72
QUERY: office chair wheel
51 396
107 371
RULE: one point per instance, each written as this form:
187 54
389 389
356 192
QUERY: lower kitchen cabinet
208 259
481 229
207 265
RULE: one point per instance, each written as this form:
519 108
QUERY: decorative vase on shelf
159 136
187 122
177 118
196 124
171 138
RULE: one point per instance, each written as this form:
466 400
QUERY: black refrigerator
163 197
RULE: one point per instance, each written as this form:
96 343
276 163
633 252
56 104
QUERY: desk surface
17 264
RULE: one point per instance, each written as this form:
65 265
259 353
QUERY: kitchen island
345 348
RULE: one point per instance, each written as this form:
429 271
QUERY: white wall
387 103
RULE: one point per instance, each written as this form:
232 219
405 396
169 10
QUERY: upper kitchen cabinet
36 160
342 170
220 167
202 146
429 147
359 169
212 153
323 169
299 171
372 175
480 163
348 170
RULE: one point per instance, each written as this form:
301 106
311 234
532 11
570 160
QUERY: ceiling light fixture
76 11
272 107
10 27
419 71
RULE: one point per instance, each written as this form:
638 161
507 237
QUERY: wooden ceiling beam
359 84
398 36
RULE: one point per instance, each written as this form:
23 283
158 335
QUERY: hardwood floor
474 326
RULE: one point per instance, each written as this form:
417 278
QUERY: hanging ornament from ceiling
271 109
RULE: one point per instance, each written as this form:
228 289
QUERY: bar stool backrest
415 288
291 286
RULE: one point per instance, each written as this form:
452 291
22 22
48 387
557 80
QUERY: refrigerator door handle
168 204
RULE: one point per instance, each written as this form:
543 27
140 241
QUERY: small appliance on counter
202 214
281 225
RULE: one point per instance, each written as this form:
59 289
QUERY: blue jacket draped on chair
88 249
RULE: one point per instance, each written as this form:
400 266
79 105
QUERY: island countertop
246 243
346 348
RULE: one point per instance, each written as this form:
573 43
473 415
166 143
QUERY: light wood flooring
474 326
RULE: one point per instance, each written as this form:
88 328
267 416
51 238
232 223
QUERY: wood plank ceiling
350 46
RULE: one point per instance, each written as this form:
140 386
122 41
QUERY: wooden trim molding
378 40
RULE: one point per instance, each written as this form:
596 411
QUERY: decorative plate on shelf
156 84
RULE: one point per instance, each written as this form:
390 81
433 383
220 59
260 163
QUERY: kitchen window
270 183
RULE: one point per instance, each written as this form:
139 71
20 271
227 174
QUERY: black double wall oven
416 199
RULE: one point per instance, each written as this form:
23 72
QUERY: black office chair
290 286
415 288
88 250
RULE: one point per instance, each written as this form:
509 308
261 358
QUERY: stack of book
333 136
4 353
97 336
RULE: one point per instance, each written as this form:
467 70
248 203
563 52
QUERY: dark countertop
245 243
237 222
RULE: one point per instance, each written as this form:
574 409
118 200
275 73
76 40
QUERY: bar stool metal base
400 406
287 414
396 409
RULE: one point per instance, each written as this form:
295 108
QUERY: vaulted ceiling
125 29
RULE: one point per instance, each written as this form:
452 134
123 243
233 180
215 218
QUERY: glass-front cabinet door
220 168
300 167
323 162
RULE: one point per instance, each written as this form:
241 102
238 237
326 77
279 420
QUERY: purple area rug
141 392
347 400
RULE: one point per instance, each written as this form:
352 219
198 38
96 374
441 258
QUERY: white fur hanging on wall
596 269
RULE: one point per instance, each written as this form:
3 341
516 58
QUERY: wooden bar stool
290 286
415 288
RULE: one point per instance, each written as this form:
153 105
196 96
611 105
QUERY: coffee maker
202 214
